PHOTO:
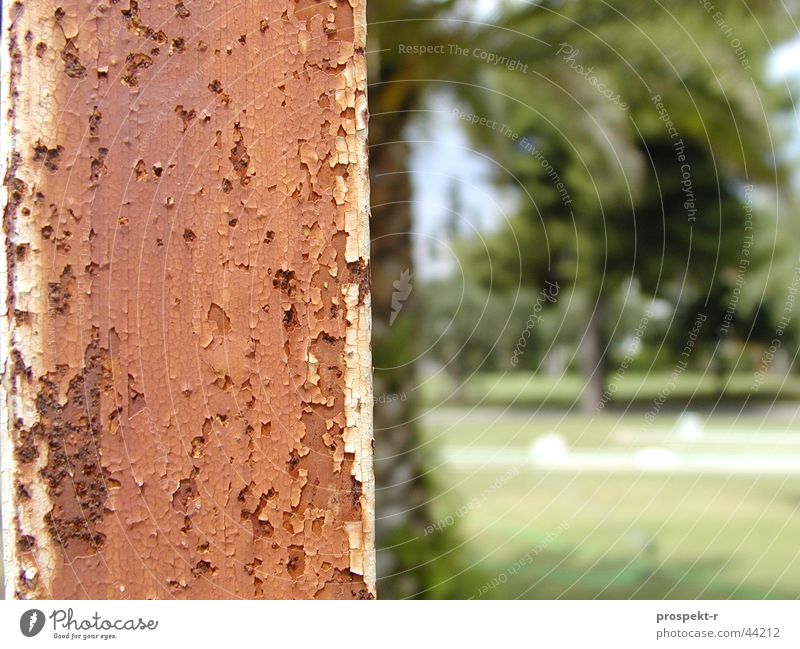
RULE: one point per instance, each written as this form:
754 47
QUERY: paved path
646 460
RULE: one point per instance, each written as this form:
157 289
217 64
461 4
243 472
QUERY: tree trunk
408 559
187 400
592 359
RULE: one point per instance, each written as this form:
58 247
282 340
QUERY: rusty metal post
186 372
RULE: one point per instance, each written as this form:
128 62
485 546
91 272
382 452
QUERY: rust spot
186 116
284 280
22 492
359 274
204 568
76 481
297 561
98 166
72 64
185 494
355 493
94 122
25 449
244 492
135 62
22 317
140 170
250 568
181 11
216 87
344 585
178 46
134 24
59 293
290 318
262 529
50 157
239 158
294 462
187 525
198 446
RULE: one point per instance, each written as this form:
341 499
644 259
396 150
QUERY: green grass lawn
475 426
615 535
526 389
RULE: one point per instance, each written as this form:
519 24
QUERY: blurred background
585 289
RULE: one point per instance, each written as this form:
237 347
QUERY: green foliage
656 168
622 233
435 559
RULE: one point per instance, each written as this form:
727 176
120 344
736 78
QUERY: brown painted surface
186 367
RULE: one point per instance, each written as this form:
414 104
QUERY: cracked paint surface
187 405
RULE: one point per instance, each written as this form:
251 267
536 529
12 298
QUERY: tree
654 146
185 334
412 563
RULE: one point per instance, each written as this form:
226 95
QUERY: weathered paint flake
186 371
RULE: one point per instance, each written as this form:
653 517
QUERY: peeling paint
186 371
